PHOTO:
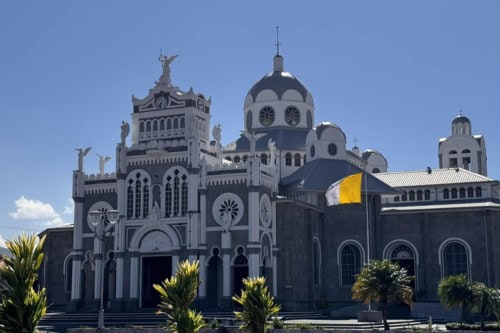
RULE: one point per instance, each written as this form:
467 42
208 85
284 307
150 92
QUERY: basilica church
256 207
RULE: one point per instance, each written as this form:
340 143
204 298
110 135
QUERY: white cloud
69 207
2 242
30 209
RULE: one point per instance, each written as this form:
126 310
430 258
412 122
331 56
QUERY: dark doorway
214 281
240 271
154 270
403 255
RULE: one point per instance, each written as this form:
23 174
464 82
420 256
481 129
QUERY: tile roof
434 177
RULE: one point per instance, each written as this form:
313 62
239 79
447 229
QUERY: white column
226 275
76 280
203 218
275 275
119 277
202 290
175 262
134 277
97 278
253 265
253 234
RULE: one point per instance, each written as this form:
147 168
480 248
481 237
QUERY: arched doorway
155 269
214 279
240 270
404 256
109 280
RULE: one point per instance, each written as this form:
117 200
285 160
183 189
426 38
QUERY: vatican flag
345 191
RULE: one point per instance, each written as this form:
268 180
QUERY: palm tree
177 293
383 282
258 305
456 291
21 307
486 301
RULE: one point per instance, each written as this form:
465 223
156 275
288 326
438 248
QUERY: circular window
292 116
227 210
266 115
313 151
332 149
265 210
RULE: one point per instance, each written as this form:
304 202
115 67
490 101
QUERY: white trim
339 257
148 227
467 248
392 245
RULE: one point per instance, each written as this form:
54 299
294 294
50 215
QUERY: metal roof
433 177
279 82
463 205
320 173
285 138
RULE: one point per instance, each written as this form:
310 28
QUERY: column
275 275
253 233
226 263
202 290
134 276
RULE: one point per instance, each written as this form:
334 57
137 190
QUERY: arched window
376 170
141 127
305 159
454 193
466 151
176 192
176 123
462 192
237 159
452 152
350 263
470 192
169 123
184 196
412 195
162 124
427 195
248 122
245 158
228 158
263 158
297 159
479 192
396 198
138 195
316 262
419 195
155 125
446 193
182 122
145 198
455 259
404 196
148 126
288 159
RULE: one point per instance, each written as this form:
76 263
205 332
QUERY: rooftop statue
125 131
102 162
82 152
165 63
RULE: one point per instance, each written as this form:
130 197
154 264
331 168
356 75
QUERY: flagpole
367 230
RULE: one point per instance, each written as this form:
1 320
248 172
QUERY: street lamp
100 220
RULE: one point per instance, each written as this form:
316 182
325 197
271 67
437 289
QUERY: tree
383 282
258 305
456 291
21 307
177 293
486 301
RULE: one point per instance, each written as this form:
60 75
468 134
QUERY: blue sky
392 74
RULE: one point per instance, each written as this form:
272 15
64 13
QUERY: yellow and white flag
345 191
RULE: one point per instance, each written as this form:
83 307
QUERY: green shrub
177 293
258 305
21 307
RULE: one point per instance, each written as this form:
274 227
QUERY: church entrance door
403 255
240 272
154 270
214 281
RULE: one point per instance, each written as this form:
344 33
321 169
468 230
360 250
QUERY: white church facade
256 207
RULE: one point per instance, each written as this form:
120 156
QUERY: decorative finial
277 41
460 112
355 142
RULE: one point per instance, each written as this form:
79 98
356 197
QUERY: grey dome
460 119
324 125
279 82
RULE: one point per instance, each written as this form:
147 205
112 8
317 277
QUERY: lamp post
100 220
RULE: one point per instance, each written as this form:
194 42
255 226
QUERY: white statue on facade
102 162
156 211
125 131
226 219
82 152
165 63
271 145
217 134
252 138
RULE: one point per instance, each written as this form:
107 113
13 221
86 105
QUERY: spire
278 59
